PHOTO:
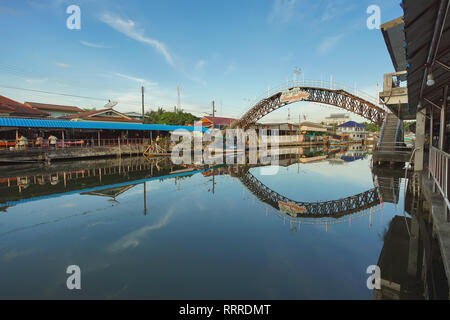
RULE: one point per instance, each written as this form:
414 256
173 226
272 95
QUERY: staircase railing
380 138
398 130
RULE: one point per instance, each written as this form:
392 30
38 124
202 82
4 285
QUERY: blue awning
62 124
99 188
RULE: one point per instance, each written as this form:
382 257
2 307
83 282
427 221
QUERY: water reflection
149 229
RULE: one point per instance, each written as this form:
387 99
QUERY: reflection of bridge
331 209
314 91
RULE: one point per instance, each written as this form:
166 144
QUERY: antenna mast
179 98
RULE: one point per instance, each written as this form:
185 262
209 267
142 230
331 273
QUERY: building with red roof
55 111
12 108
219 122
104 115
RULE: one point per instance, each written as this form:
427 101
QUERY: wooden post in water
145 200
98 137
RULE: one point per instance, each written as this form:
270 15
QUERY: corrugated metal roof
351 124
420 20
394 36
19 109
61 124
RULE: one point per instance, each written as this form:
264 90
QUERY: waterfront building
217 122
352 131
284 129
418 43
336 119
104 115
76 139
12 108
134 115
55 111
313 132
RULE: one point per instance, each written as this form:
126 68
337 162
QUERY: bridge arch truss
326 209
337 96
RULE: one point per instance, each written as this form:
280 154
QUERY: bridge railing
331 85
380 138
398 147
438 170
12 145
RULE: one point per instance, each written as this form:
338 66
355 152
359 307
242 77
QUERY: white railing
331 85
69 143
438 170
286 139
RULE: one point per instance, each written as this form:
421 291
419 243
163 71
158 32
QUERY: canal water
151 230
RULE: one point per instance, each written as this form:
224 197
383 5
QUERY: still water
140 229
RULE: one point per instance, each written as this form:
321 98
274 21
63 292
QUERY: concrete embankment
48 155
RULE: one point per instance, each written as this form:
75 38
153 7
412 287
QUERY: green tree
371 127
407 124
169 117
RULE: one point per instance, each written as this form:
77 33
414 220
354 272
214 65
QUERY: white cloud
94 45
134 238
154 97
335 8
230 69
142 81
62 65
200 64
128 28
199 80
36 80
329 43
287 57
282 11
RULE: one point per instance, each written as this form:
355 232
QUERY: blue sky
227 51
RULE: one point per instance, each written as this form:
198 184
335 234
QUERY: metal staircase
391 137
391 147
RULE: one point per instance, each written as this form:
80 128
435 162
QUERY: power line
54 93
128 102
18 72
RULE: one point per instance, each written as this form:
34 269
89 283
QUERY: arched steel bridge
327 209
323 92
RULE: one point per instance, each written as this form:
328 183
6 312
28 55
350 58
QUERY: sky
228 51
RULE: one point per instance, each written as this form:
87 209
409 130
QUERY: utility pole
179 98
143 112
377 95
213 113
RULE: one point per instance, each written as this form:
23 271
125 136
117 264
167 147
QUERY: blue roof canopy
351 124
62 124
